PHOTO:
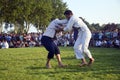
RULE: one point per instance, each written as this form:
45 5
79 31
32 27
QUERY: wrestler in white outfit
84 36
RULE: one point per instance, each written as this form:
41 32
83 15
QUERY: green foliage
43 11
58 8
38 12
96 27
29 64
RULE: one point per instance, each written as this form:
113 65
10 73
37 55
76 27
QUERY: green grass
29 64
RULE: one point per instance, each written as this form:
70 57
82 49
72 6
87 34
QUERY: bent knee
85 50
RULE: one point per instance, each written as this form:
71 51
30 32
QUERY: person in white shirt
83 39
5 44
48 41
98 43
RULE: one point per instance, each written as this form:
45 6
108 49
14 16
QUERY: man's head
68 14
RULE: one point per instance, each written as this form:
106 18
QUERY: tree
16 11
38 12
42 13
46 10
96 26
110 27
58 8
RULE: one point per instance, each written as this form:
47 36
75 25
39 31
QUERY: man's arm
69 25
59 28
63 21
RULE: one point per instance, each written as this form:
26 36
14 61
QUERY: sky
96 11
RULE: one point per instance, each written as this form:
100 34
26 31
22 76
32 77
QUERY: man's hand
59 29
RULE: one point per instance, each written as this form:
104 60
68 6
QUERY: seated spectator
104 43
0 44
18 44
98 43
66 42
115 33
109 43
4 44
11 45
116 43
32 43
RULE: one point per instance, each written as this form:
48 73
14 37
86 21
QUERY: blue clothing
50 46
75 34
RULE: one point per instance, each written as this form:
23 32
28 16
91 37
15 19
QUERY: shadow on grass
70 69
32 70
3 69
22 59
104 64
35 68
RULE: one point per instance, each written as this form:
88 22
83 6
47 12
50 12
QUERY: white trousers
81 45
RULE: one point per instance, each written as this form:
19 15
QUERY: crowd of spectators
108 38
20 40
99 39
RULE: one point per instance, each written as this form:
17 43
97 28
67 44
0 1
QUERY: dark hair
68 12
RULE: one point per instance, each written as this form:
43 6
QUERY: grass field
29 64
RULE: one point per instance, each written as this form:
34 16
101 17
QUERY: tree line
38 12
104 27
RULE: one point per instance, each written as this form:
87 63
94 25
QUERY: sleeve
69 25
81 23
60 23
63 21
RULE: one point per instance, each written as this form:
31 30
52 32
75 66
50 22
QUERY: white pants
81 45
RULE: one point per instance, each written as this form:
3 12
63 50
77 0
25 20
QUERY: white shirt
5 45
50 31
117 42
77 23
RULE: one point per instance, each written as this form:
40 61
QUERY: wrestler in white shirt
84 36
53 26
48 42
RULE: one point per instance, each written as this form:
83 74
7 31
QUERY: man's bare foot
91 61
62 65
48 66
83 64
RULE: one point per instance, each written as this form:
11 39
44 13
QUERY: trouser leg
78 48
85 44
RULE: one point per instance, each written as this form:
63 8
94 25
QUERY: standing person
83 39
48 43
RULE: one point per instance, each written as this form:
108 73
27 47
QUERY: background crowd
20 40
107 38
